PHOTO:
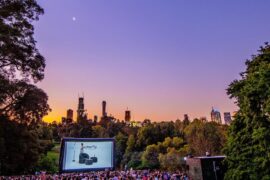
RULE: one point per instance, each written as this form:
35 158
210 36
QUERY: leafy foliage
18 52
247 149
205 137
19 147
150 157
22 104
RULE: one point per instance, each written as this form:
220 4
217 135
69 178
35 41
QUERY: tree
99 132
19 149
120 146
147 135
48 164
247 148
130 143
172 152
22 104
18 52
135 160
150 157
130 147
205 137
20 62
171 160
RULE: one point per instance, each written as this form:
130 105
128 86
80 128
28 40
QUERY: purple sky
159 58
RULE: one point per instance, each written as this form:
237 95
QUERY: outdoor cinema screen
86 154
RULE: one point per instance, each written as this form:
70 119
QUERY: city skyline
162 60
81 113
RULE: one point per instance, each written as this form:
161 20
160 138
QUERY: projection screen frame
62 149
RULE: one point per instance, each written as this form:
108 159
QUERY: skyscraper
81 111
127 115
215 116
70 114
227 117
95 118
105 119
104 113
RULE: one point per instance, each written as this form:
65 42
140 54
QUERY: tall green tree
120 146
150 157
248 146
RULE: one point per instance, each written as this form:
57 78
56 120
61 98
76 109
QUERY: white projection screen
86 154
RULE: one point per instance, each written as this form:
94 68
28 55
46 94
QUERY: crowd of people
105 175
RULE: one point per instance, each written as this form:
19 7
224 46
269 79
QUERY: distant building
186 120
127 115
70 114
95 119
227 117
81 112
105 119
66 121
104 113
215 116
63 121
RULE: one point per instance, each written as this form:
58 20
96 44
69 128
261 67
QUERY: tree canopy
18 52
22 104
247 148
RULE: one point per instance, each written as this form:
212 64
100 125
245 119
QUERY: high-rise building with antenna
81 112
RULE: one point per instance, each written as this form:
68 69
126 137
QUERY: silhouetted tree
20 148
22 104
18 52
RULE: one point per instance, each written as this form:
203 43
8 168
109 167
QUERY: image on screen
80 155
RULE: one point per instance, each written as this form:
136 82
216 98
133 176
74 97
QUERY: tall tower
95 118
127 115
81 111
104 113
70 114
215 116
